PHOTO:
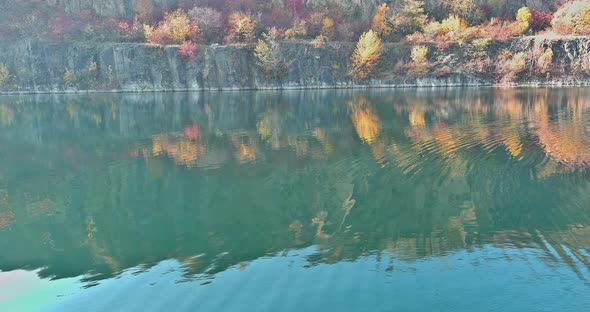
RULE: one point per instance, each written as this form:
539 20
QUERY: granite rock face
121 8
360 9
48 67
127 8
81 66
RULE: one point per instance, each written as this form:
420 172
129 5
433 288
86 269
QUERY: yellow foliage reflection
244 146
447 140
565 140
365 120
513 143
565 143
181 149
6 115
514 121
417 119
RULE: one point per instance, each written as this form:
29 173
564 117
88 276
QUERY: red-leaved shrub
187 50
442 72
541 20
501 31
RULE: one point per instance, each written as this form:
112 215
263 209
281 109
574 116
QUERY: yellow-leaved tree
545 61
420 66
524 17
366 55
175 28
269 57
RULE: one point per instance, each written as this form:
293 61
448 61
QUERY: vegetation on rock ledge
409 38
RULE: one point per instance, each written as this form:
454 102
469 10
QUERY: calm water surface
397 200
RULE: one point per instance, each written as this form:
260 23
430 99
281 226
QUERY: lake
331 200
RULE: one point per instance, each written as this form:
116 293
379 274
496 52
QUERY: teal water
382 200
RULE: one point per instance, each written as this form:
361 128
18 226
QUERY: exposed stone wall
50 67
362 9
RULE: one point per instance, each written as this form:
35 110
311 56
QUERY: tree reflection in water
94 185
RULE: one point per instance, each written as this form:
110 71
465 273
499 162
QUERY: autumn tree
408 20
209 22
366 55
420 65
328 30
545 61
299 30
510 65
175 28
419 54
573 18
268 55
131 31
524 18
467 10
451 29
315 23
540 20
144 9
380 24
240 28
69 77
187 50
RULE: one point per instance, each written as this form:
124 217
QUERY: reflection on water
95 185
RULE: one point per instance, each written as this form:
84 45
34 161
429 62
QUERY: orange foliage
513 145
500 31
379 21
447 140
182 149
240 28
417 118
176 28
365 120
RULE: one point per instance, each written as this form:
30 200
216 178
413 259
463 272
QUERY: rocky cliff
50 67
47 67
362 9
127 8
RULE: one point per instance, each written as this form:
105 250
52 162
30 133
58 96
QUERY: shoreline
553 84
